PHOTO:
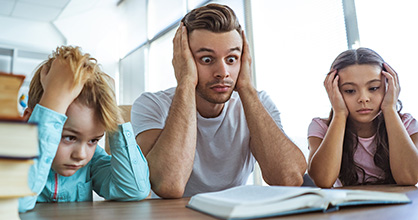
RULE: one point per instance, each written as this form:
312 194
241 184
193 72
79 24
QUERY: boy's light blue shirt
123 176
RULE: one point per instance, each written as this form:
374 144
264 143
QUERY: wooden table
175 209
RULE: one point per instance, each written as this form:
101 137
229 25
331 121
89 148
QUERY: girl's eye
206 60
349 91
231 60
69 139
374 88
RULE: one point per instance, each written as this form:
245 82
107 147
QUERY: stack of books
18 147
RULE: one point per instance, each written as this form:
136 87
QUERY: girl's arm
403 152
325 155
124 176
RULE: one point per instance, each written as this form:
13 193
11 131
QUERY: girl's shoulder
318 127
407 117
320 121
410 123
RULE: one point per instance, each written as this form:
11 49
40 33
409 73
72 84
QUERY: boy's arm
60 88
50 125
123 176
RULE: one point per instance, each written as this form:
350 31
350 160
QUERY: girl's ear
27 113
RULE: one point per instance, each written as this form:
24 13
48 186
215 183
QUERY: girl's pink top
366 148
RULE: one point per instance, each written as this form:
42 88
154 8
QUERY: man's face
218 62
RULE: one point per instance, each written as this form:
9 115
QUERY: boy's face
218 61
80 136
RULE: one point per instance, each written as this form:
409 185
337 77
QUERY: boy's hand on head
392 89
183 62
59 85
334 94
244 76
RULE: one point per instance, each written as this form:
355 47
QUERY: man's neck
207 109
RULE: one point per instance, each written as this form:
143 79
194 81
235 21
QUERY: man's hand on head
244 77
183 62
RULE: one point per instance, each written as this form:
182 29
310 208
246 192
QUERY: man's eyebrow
235 49
204 49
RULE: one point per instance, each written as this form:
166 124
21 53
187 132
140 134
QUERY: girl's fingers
330 78
392 72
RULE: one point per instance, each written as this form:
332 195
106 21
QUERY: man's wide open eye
206 59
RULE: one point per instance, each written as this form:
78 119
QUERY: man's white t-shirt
223 158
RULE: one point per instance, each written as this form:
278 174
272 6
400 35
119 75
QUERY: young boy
73 104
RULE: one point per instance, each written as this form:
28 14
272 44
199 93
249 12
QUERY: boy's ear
27 113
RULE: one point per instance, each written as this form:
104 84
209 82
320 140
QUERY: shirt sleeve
410 123
270 107
50 125
149 111
317 128
123 176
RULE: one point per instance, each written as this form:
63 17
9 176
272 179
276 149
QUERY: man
206 134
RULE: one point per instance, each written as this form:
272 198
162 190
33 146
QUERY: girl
365 140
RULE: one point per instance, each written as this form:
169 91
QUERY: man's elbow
168 191
289 179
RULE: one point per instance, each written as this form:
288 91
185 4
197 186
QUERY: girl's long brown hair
349 168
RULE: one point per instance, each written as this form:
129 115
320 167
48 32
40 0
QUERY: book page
252 194
357 197
256 201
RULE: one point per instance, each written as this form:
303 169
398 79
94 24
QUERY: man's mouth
220 88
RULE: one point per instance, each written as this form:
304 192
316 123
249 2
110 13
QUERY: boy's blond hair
97 91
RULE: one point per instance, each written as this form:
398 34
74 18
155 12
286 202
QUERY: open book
246 202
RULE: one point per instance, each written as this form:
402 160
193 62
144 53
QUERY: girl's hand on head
392 89
334 94
183 62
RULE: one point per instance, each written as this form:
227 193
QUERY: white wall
30 35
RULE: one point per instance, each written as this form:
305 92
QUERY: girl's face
363 88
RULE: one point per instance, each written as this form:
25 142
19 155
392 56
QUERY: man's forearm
281 161
171 158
